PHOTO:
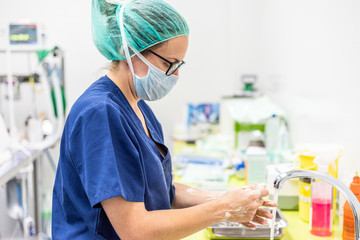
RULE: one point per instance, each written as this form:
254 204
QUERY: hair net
146 23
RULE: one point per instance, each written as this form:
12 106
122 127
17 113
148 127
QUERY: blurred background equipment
32 113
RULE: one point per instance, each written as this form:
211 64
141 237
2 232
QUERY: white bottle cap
323 160
323 168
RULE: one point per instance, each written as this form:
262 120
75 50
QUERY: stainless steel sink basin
230 230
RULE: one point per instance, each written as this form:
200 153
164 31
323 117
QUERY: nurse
114 178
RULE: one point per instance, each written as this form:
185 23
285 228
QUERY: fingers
260 220
257 194
264 192
252 186
263 213
268 203
249 225
260 202
244 203
258 190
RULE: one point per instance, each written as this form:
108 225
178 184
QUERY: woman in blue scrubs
114 178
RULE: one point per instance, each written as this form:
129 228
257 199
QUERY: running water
276 196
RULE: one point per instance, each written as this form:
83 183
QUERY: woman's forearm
132 221
186 196
179 223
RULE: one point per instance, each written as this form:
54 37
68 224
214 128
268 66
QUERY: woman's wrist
219 209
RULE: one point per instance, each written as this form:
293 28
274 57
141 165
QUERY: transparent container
321 212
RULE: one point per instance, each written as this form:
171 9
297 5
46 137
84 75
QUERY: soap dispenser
321 211
348 227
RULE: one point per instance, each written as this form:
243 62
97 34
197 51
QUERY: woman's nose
176 72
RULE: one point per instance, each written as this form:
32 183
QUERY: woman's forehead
175 47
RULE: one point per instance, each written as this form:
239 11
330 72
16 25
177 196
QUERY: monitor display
23 34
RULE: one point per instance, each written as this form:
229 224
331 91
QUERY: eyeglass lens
174 67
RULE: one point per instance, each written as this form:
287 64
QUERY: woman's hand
242 205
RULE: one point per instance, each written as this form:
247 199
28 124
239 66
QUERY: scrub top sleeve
103 150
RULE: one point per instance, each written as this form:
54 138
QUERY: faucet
349 195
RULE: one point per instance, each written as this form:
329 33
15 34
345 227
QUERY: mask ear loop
147 62
126 47
141 57
116 2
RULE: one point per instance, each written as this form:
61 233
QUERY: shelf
19 160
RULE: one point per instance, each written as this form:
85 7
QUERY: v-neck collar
152 133
154 137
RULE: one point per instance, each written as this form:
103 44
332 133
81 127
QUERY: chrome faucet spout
350 197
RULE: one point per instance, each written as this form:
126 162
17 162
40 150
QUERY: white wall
310 56
306 54
223 40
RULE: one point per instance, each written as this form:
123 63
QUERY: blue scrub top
106 153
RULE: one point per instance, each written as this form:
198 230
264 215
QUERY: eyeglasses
173 65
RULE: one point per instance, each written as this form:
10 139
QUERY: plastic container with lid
349 225
306 153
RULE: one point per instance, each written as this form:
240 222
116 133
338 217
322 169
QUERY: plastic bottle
272 126
321 212
348 227
283 138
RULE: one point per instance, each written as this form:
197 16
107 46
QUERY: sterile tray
230 230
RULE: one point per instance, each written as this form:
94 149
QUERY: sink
231 230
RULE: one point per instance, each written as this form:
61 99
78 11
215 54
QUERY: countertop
297 230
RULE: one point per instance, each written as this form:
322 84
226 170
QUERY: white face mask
156 84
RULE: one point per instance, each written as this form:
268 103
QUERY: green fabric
146 23
42 54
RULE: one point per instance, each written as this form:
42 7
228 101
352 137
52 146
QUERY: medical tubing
46 87
10 91
60 107
52 139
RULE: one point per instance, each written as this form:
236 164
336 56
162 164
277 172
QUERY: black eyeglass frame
171 63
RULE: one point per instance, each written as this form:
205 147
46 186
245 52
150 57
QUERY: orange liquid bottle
349 225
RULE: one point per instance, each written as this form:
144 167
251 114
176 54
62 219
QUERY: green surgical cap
146 23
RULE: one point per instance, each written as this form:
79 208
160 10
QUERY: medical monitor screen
23 34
